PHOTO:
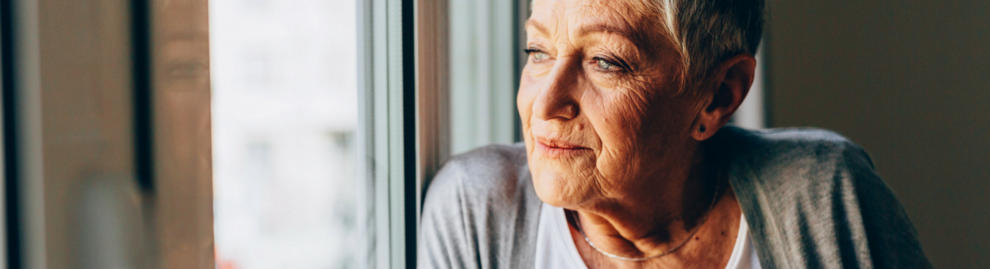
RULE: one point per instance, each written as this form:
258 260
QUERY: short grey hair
708 32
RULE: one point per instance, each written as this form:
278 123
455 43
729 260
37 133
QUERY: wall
910 82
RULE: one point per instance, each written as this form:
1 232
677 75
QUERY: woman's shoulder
494 170
796 163
481 201
790 148
785 140
814 197
807 162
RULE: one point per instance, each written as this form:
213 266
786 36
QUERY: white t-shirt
555 248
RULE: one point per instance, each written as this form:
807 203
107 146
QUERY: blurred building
284 115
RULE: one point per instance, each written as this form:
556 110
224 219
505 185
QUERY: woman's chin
561 190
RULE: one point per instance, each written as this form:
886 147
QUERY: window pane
483 84
284 122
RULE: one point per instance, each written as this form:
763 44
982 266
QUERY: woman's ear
732 83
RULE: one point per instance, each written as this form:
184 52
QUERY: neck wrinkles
645 226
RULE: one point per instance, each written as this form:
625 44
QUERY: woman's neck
710 247
662 217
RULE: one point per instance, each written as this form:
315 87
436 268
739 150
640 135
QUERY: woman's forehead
619 11
625 17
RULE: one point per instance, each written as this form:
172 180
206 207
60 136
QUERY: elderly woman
627 161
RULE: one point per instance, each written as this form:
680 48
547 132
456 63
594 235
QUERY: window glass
483 69
284 120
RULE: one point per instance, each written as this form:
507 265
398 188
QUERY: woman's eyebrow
530 23
584 30
604 28
590 29
637 39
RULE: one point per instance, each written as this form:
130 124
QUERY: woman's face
599 102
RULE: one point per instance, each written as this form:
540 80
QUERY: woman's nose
556 99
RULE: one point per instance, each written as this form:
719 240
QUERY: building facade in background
284 115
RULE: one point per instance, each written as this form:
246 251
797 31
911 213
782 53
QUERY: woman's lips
555 149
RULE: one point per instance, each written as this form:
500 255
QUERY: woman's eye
539 55
606 65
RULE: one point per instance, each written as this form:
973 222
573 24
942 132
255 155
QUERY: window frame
386 132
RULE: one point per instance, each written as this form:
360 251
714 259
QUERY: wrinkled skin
612 134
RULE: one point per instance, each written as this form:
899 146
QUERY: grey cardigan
811 197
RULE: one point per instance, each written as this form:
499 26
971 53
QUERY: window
483 74
284 120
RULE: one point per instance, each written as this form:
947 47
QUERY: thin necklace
718 182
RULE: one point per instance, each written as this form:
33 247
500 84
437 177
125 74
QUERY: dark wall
909 81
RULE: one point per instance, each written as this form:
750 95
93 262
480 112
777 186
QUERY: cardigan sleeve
444 240
814 200
892 239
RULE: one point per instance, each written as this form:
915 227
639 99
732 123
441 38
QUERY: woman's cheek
528 90
617 119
